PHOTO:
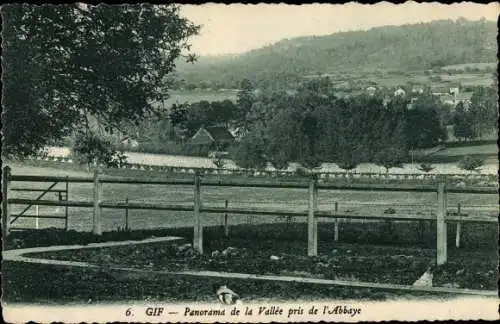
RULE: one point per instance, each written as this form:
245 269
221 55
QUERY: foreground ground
367 252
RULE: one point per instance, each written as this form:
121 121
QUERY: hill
402 48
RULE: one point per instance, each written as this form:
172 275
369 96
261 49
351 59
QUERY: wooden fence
312 213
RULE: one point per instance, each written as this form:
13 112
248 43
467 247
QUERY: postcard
166 163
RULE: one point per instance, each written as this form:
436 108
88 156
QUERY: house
371 90
411 104
441 91
455 99
399 92
455 89
215 137
417 89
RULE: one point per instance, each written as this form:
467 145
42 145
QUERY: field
200 95
490 65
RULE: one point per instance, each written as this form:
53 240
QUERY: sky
237 28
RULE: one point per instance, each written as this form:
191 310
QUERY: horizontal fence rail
312 212
247 211
231 183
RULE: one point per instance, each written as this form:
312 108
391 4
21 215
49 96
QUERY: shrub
219 162
301 172
426 167
470 163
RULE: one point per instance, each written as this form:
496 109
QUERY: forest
405 48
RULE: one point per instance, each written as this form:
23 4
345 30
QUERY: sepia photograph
253 163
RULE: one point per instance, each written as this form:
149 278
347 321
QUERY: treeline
409 47
314 126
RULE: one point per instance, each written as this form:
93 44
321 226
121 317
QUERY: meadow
191 96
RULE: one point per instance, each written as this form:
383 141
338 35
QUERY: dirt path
19 256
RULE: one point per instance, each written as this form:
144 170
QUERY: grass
489 149
470 65
367 252
22 284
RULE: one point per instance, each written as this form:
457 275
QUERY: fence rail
311 212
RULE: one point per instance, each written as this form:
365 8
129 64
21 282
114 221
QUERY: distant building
454 99
215 137
455 89
411 104
441 91
399 92
417 89
452 89
371 90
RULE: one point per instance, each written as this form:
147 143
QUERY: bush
470 163
426 167
301 172
219 163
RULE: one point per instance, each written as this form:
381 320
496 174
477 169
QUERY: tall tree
462 123
484 110
244 103
66 64
424 127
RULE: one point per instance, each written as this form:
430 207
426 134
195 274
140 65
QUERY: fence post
198 228
126 214
226 226
5 205
336 225
37 225
441 240
96 229
312 241
66 214
459 227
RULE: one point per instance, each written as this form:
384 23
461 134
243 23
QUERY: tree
91 149
470 163
250 152
483 110
350 158
462 123
245 101
390 157
424 127
65 64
